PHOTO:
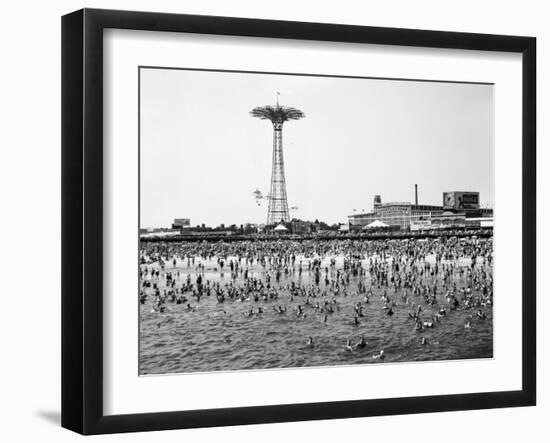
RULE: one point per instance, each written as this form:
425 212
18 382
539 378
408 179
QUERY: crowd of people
429 279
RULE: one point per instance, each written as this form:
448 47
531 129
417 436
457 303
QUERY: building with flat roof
457 207
181 223
397 215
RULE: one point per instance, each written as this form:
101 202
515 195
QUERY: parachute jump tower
277 115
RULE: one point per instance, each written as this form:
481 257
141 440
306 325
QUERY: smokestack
416 194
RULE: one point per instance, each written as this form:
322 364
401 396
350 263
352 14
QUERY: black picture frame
82 218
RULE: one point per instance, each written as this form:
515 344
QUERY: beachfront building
181 223
301 227
460 209
397 215
480 222
444 220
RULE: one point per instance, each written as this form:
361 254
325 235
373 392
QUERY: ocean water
220 337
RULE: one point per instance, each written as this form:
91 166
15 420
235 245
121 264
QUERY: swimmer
348 346
310 342
407 272
481 314
361 343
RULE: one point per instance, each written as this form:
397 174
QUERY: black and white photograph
250 221
294 220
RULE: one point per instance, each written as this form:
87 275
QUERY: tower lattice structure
278 203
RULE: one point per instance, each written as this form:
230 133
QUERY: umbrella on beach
376 224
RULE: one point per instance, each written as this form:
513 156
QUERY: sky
202 155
